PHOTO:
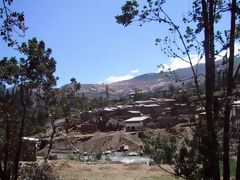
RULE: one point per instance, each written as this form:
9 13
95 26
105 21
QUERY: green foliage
38 66
129 11
99 156
183 160
200 34
107 158
71 157
12 23
161 149
31 78
76 85
233 167
33 70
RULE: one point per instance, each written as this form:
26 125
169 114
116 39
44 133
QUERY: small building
136 123
29 149
235 112
88 128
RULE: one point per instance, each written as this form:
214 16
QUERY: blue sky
87 42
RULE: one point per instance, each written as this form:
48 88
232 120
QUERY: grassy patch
233 167
71 157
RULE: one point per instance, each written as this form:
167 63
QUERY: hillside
145 82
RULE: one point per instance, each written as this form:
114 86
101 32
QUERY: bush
98 156
183 159
71 157
38 172
107 158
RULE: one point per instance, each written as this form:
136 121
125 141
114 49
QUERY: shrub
98 156
71 157
38 172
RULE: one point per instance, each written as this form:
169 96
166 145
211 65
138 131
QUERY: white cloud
177 63
134 71
113 79
236 52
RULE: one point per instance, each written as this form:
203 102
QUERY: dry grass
133 166
73 170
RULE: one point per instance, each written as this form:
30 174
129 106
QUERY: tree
70 101
137 94
229 93
182 160
53 99
76 85
172 89
33 73
13 23
107 92
207 18
201 22
211 14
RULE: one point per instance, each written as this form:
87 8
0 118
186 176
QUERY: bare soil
98 142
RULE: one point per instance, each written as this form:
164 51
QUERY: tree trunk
20 135
1 171
211 155
238 161
5 164
230 80
51 141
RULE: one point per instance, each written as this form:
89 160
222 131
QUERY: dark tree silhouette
32 72
12 23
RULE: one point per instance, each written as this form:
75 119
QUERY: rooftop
135 112
143 102
236 103
150 105
134 119
169 100
110 109
30 138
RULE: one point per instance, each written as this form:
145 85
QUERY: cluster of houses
153 113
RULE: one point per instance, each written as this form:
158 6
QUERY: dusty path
72 170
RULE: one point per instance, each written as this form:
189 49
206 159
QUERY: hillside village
157 100
125 124
123 127
116 129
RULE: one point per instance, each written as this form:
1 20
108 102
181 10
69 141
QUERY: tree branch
174 174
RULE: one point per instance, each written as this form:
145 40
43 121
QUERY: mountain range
146 82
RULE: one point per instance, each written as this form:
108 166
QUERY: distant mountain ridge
144 82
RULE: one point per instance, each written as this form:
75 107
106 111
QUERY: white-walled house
136 123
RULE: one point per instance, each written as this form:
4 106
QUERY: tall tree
32 73
107 92
202 36
229 93
209 51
